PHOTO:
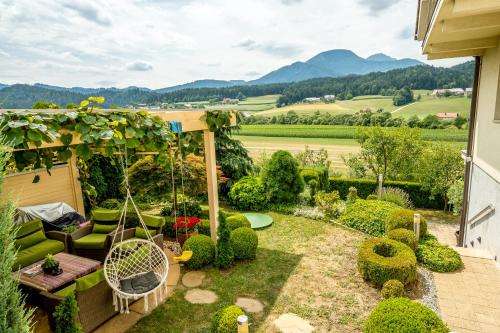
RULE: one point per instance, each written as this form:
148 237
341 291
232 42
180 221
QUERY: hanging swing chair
134 268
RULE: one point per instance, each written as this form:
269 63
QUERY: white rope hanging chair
135 268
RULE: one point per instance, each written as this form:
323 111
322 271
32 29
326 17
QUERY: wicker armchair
97 250
95 305
155 226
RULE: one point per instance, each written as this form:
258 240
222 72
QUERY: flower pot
55 270
182 237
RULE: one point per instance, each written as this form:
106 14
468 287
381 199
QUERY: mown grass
303 266
340 132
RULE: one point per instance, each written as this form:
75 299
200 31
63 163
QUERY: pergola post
76 186
212 186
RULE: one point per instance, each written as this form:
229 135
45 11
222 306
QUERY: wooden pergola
20 185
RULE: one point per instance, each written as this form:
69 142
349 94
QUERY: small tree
13 315
224 255
65 316
282 179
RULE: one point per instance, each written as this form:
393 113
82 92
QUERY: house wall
485 177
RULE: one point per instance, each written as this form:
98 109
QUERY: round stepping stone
200 296
193 279
259 220
291 323
250 305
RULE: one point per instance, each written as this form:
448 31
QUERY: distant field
427 105
251 104
339 132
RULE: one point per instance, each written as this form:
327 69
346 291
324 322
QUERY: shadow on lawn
262 278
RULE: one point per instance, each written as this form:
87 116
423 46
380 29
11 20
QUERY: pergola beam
455 54
463 45
461 24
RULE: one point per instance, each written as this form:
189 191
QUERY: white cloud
89 42
139 66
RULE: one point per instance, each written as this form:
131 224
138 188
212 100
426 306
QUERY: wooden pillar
212 186
76 186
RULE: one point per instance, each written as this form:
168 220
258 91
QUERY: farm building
329 98
452 91
230 101
447 115
312 100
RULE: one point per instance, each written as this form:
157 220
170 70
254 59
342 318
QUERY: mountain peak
380 57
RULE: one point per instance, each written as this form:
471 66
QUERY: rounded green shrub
404 236
203 248
282 179
403 218
111 204
309 174
401 315
438 257
225 320
367 216
248 193
393 288
372 197
244 242
237 221
383 259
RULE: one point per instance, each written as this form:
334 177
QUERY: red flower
183 223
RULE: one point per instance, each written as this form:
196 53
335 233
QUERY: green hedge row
365 187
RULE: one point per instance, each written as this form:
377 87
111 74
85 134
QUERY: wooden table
73 268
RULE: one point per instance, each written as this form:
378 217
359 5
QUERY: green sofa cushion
30 240
29 227
66 291
37 252
153 221
91 241
90 280
106 215
141 233
103 228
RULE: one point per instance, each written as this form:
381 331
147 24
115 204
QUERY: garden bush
372 197
248 193
244 242
225 320
193 207
309 174
403 218
367 216
281 178
237 221
383 259
393 288
330 203
397 196
65 316
401 315
352 196
317 173
437 257
404 236
203 248
111 204
419 197
224 254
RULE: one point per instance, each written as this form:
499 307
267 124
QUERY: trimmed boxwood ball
404 236
203 248
437 257
401 315
237 221
403 218
225 320
393 288
383 259
248 193
244 242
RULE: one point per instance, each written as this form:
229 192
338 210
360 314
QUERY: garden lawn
303 266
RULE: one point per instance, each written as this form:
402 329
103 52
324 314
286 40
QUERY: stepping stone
250 305
200 296
291 323
193 279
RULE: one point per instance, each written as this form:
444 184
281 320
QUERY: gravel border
429 291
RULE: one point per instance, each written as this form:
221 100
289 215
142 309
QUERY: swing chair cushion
139 284
103 228
105 215
91 241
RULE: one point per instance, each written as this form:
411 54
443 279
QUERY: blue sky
155 43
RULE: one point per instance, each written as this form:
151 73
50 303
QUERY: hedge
401 315
382 259
318 173
403 218
365 187
404 236
367 216
438 257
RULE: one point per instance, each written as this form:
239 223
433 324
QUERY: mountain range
333 63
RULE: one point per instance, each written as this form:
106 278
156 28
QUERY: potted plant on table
186 227
51 265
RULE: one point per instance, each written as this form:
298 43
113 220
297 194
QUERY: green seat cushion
91 241
103 228
29 227
153 221
30 240
90 280
66 291
37 252
106 215
141 233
